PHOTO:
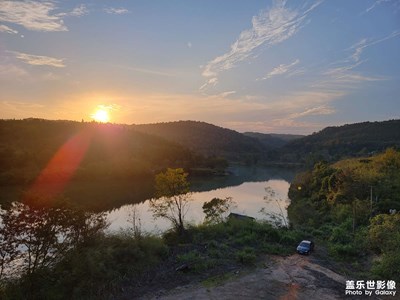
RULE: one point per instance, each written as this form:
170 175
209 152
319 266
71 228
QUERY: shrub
246 256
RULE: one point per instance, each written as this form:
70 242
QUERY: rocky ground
292 277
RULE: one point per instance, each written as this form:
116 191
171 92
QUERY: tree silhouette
37 234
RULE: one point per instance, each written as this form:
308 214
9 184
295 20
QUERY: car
305 247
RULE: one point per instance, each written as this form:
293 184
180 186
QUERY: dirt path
293 277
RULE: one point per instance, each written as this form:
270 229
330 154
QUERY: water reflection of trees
38 233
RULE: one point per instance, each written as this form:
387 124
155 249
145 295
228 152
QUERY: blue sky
267 66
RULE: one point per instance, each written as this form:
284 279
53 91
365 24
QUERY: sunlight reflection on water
249 197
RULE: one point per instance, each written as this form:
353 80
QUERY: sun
101 115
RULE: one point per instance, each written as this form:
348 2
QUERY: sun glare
101 115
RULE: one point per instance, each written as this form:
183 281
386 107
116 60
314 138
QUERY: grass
108 264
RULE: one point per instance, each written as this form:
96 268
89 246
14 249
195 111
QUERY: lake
246 186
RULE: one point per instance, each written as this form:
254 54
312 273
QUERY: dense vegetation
354 206
273 140
122 265
60 251
50 249
209 140
109 151
335 143
123 151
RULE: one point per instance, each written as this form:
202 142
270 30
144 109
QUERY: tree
384 238
216 209
172 197
135 222
278 218
384 233
38 233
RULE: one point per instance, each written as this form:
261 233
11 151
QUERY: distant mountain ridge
273 140
111 151
27 145
207 139
350 140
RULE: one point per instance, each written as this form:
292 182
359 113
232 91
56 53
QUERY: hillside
334 143
273 140
352 206
208 139
95 150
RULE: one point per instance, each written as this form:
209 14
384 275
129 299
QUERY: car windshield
304 244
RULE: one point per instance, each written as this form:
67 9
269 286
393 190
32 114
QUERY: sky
268 66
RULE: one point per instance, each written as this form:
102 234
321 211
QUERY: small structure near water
234 216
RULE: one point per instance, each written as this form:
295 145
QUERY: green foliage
46 229
172 197
336 203
335 143
216 209
387 266
101 266
171 183
384 233
208 140
95 270
37 236
113 151
246 256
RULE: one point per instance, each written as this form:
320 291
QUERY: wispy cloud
39 60
270 27
379 2
33 15
116 11
4 28
78 11
314 111
359 47
282 69
226 94
345 75
210 82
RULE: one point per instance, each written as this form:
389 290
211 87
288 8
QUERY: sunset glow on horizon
272 66
101 115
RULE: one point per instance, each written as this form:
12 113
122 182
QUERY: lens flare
101 115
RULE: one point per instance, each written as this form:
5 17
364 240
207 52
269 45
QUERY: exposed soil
292 277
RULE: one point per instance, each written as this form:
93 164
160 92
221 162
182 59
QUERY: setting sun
101 115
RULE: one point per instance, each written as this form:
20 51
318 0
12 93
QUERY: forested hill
107 150
273 140
207 139
334 143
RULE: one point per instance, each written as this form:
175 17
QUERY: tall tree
172 197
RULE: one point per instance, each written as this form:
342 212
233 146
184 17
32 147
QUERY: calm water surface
246 187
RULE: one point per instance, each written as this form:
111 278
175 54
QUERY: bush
92 271
388 266
246 256
343 252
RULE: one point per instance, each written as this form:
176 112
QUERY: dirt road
293 277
